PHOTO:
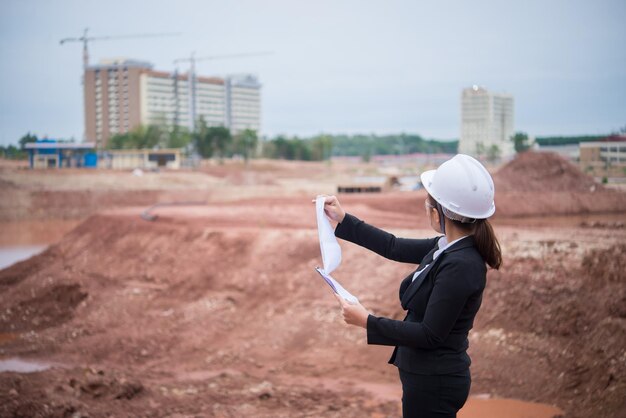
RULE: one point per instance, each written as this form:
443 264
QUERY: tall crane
86 39
191 78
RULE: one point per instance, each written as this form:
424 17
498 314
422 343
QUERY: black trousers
436 396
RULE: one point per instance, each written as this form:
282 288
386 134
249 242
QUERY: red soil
216 311
542 172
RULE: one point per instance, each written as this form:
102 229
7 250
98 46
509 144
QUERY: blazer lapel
405 298
408 280
408 284
412 289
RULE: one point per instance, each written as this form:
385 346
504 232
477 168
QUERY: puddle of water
22 239
11 255
477 406
22 366
511 408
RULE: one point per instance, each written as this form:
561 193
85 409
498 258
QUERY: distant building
604 158
50 153
242 103
129 159
122 94
567 151
487 120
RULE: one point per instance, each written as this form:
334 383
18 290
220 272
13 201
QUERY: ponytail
487 243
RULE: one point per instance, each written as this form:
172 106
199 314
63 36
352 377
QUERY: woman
444 293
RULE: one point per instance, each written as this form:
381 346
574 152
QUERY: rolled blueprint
331 251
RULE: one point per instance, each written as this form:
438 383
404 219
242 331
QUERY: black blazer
441 303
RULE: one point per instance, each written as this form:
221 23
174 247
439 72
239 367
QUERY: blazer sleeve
449 295
404 250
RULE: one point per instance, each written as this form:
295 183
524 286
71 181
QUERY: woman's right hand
333 209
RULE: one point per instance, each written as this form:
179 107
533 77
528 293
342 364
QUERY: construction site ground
214 308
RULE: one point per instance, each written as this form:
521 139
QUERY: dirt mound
180 301
31 396
53 306
606 266
96 385
86 392
542 172
572 312
226 319
544 184
20 270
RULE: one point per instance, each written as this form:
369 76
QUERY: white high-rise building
486 122
121 94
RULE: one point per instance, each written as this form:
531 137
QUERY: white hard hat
463 186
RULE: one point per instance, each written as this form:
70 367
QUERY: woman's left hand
353 313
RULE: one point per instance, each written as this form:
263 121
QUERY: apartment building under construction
122 94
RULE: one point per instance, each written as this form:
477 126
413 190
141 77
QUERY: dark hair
486 241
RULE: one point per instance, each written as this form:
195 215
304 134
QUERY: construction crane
86 39
191 77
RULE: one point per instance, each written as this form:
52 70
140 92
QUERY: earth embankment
216 310
245 317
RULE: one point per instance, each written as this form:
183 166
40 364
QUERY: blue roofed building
50 153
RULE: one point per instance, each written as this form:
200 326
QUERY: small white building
129 159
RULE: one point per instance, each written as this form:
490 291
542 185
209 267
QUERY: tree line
208 141
398 144
567 140
218 142
322 147
11 152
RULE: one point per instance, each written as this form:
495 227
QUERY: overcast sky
338 66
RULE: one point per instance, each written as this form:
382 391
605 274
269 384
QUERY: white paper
331 251
337 287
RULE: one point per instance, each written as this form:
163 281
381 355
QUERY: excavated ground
215 310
